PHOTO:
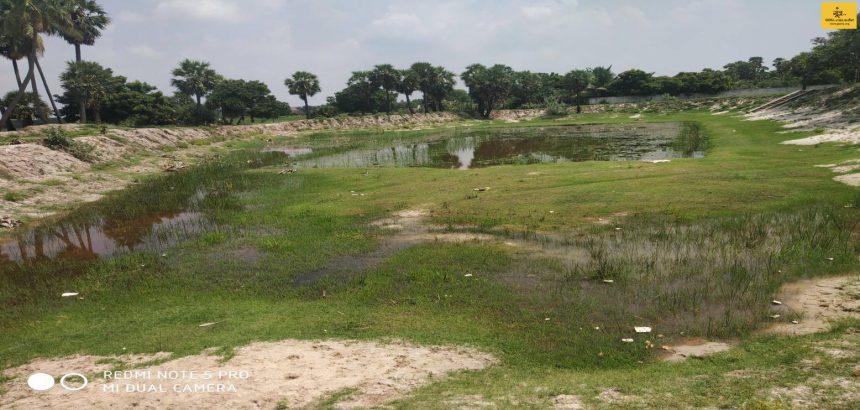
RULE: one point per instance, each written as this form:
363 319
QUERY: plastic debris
774 316
468 275
208 324
484 189
608 281
642 329
627 340
69 294
776 302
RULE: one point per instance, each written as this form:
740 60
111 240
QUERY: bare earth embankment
835 112
45 181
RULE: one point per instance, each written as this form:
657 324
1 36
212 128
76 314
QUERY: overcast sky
268 40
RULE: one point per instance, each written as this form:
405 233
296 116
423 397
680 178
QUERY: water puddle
476 148
290 152
101 238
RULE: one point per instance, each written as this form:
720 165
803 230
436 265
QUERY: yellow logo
839 15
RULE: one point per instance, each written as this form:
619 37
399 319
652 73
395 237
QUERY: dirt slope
42 180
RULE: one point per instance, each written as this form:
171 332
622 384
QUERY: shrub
59 140
554 106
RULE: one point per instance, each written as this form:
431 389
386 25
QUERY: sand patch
612 396
848 136
820 392
291 372
819 301
695 348
568 402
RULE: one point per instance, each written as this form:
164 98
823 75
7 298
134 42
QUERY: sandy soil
695 348
836 112
818 301
849 170
290 372
32 161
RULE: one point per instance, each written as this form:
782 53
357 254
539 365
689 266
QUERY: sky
268 40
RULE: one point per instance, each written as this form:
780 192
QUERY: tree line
94 92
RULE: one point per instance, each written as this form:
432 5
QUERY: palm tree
602 76
21 24
576 82
409 83
88 21
434 82
303 84
195 79
385 76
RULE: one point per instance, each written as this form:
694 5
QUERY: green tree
601 78
303 84
269 107
91 84
21 27
840 50
488 87
409 83
576 82
435 84
28 107
386 77
195 79
632 82
88 19
527 88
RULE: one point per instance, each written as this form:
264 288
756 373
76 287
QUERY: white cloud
218 10
536 12
130 17
145 51
398 21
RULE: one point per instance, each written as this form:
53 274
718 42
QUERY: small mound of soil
32 161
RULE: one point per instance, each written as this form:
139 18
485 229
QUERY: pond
476 148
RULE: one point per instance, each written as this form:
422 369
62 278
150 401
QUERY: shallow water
475 148
101 238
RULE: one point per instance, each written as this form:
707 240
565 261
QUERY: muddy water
477 148
101 238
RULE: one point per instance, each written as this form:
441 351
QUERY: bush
58 140
554 106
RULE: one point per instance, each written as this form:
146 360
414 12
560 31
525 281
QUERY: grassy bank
695 247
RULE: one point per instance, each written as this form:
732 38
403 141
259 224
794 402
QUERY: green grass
703 245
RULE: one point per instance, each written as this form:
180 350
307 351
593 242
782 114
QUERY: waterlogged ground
546 268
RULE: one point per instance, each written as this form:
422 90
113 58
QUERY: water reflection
291 152
101 238
482 148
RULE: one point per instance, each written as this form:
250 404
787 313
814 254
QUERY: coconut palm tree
88 21
304 85
22 22
195 79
